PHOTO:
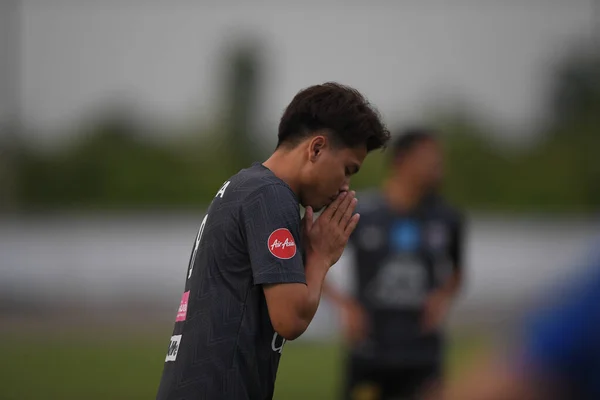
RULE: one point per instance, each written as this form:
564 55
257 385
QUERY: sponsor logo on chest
405 235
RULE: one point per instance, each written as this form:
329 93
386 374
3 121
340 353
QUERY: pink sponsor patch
182 312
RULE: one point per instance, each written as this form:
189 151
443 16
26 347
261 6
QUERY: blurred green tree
114 163
241 88
575 107
575 89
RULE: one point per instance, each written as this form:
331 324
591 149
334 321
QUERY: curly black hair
341 111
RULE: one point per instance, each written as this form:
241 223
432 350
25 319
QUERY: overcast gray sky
401 54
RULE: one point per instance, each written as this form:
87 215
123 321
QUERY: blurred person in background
256 270
558 354
405 259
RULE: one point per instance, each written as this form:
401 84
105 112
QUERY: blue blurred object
562 341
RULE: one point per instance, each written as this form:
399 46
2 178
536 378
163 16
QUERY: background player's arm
440 300
337 297
354 319
333 288
455 280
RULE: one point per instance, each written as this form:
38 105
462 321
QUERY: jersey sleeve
271 226
457 241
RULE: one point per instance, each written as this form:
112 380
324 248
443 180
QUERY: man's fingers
339 214
348 213
332 208
308 218
351 225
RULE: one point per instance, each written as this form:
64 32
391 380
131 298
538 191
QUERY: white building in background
404 55
123 261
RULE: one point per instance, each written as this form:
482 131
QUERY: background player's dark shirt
223 344
399 258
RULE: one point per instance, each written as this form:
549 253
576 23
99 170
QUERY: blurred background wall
120 120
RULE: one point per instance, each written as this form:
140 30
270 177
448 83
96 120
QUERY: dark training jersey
223 344
397 259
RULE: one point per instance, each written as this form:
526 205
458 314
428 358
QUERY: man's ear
316 146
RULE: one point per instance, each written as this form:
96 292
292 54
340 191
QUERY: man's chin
315 208
318 209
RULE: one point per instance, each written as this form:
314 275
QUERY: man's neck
284 165
401 194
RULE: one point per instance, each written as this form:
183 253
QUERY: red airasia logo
281 244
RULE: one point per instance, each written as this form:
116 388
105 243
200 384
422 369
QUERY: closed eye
352 170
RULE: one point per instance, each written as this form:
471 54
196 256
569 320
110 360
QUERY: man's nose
345 187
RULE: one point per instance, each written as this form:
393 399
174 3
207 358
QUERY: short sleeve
457 242
271 226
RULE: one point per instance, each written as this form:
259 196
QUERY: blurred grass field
70 367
